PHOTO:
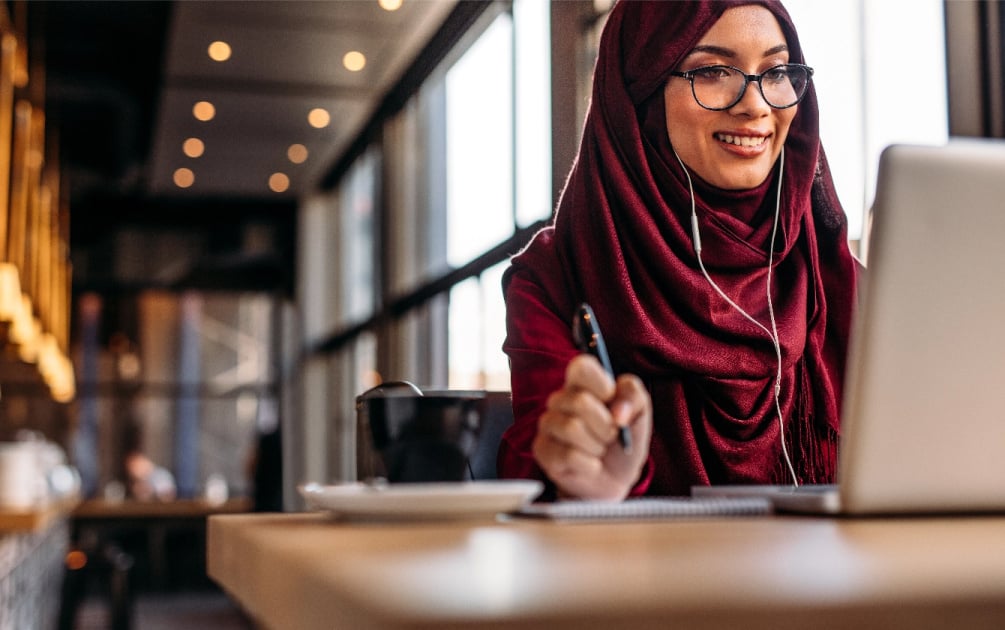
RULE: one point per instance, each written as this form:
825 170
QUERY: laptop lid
923 427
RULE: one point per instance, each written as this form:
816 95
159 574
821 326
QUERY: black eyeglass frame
747 79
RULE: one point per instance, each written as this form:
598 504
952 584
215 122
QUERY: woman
701 224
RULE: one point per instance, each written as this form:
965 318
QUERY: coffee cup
420 436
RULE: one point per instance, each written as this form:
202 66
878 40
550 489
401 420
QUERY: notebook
648 509
923 429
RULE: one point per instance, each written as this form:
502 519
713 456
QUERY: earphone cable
773 333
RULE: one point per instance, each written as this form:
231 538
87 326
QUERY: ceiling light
297 153
279 182
219 51
354 61
319 118
204 111
193 147
390 5
184 177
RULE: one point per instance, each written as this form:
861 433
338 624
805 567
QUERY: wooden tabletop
306 571
34 519
177 508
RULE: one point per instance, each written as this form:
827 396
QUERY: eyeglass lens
720 87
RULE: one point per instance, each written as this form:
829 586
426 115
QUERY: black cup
421 437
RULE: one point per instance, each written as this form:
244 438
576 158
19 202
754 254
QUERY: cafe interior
222 222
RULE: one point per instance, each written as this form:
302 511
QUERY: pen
586 334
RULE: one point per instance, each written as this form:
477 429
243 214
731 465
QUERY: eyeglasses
721 87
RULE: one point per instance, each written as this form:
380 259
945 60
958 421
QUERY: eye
712 74
776 75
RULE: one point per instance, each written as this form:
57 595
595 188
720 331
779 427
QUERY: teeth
741 141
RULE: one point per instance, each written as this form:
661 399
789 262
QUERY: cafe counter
307 571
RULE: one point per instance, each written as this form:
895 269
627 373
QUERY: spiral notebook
648 509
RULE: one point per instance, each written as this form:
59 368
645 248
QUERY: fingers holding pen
585 372
577 438
578 419
632 407
576 416
563 463
592 409
626 401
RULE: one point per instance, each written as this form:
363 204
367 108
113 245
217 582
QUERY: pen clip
586 333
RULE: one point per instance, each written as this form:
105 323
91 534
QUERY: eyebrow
726 52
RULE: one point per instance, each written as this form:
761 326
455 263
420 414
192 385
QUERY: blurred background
222 221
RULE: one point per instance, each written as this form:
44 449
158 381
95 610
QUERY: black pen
586 334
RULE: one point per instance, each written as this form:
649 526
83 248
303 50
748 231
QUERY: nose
752 102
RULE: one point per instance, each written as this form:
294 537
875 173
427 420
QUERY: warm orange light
193 147
390 5
10 292
319 118
370 378
219 51
184 177
35 158
354 61
204 111
279 182
297 153
76 560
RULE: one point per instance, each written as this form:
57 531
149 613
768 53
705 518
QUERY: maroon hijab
621 241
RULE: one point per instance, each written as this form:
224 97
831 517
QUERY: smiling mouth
741 141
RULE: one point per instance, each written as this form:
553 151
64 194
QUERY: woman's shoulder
536 262
541 245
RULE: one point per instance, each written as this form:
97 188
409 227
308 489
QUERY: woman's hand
577 436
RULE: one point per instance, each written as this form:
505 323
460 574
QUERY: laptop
923 429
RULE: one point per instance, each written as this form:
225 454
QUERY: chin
744 179
740 183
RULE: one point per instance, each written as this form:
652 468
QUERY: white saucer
421 501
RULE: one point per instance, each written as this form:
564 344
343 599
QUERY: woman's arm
567 408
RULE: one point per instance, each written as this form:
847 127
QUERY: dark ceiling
103 68
120 80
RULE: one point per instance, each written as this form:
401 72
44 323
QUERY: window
477 331
356 241
498 176
878 82
188 386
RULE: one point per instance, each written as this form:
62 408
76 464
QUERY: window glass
498 176
877 82
466 329
495 364
533 110
480 145
356 238
477 331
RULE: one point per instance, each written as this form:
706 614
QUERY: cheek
682 122
785 118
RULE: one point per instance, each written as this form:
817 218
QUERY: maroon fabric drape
621 241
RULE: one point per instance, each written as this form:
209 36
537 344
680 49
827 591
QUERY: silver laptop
923 429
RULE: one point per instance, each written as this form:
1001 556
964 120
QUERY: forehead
747 24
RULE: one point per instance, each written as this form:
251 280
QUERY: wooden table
35 519
306 571
105 521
